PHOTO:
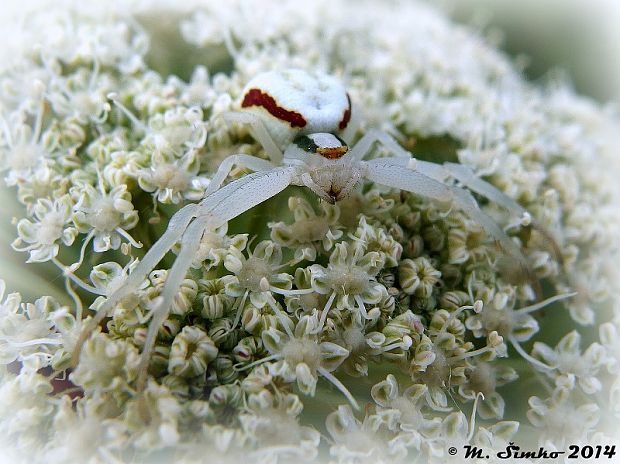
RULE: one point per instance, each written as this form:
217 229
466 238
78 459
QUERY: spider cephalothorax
302 120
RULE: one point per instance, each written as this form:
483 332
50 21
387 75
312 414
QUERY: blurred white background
580 36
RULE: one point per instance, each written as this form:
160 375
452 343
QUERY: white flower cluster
290 319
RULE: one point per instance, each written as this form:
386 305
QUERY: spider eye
329 146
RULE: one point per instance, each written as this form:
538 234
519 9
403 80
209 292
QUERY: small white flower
256 276
52 225
216 245
561 418
418 277
24 149
191 352
408 405
25 409
79 435
570 362
28 333
272 427
108 365
82 96
485 377
609 334
375 238
309 229
176 131
182 303
198 91
104 216
45 182
301 357
173 179
351 276
359 441
153 419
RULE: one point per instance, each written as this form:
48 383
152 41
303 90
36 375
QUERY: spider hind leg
467 178
190 241
176 228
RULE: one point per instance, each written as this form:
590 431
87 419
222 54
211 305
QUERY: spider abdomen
295 101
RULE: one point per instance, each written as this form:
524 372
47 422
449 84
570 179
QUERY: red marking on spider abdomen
255 97
346 117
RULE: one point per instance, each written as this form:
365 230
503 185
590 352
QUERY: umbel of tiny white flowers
305 147
417 290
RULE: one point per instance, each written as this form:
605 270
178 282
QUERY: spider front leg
441 172
466 177
248 161
372 136
463 174
390 172
259 132
214 211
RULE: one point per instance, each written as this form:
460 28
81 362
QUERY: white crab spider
301 121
